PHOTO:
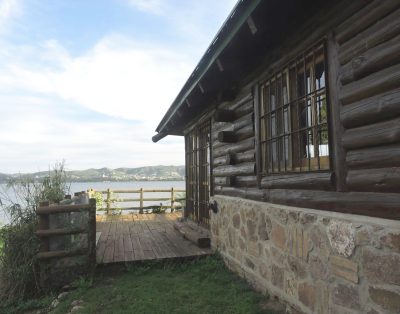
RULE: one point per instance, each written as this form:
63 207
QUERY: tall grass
18 264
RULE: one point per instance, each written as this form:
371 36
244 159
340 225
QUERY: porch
140 237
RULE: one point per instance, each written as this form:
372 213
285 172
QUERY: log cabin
291 121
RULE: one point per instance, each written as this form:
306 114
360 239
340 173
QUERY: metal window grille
294 116
198 173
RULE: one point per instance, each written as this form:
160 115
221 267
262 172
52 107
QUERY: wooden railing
109 199
52 235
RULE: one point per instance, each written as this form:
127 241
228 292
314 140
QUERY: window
198 173
293 116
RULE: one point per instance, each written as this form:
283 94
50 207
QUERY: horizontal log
235 170
372 109
306 181
374 180
60 231
223 160
224 115
385 205
60 254
372 60
364 18
144 191
155 199
57 209
249 193
382 156
244 109
234 148
381 133
243 157
239 135
245 181
246 120
144 207
383 30
223 181
371 85
241 101
158 137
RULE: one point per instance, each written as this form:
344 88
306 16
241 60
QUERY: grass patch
201 286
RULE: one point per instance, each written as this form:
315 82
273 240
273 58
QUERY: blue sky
87 81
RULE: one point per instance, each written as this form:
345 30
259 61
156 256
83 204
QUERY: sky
88 81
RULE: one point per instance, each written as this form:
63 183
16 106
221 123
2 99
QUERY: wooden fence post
141 201
108 201
172 199
92 231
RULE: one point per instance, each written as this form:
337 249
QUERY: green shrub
18 264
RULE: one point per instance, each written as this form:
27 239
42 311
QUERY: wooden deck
140 237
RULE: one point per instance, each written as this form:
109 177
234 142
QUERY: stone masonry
315 261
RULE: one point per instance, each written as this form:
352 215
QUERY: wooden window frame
286 105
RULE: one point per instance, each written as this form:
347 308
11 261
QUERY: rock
251 229
236 221
341 236
344 268
388 300
55 303
346 296
307 218
381 268
76 308
277 276
278 236
76 302
62 295
318 268
307 295
392 241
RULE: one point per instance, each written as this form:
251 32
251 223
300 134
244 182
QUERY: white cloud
117 77
8 10
150 6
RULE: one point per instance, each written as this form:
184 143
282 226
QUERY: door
198 173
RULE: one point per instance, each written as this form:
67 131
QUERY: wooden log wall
234 163
364 89
369 74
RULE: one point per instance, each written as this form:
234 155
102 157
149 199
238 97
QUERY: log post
92 231
172 199
108 201
141 201
43 224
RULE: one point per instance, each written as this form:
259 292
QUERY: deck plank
139 237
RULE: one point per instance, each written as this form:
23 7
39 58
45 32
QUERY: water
102 186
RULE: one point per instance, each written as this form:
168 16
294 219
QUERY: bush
18 264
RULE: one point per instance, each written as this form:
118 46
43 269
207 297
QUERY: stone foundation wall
315 261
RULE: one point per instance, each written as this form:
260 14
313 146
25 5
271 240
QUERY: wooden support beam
57 232
201 88
158 137
307 181
381 133
58 209
370 110
224 115
233 137
374 180
227 137
252 25
219 65
384 156
60 254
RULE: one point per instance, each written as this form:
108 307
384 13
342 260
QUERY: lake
101 186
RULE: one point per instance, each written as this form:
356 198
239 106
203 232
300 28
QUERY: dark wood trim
256 102
337 153
306 181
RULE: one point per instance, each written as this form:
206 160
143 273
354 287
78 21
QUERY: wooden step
194 233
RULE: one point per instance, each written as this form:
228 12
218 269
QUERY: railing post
141 201
92 231
108 201
43 224
172 199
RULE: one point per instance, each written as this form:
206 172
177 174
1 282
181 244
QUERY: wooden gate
198 173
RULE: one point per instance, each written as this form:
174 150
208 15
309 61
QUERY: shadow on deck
140 237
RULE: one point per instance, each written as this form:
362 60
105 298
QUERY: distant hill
151 173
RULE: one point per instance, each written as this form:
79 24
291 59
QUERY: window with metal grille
198 173
293 117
